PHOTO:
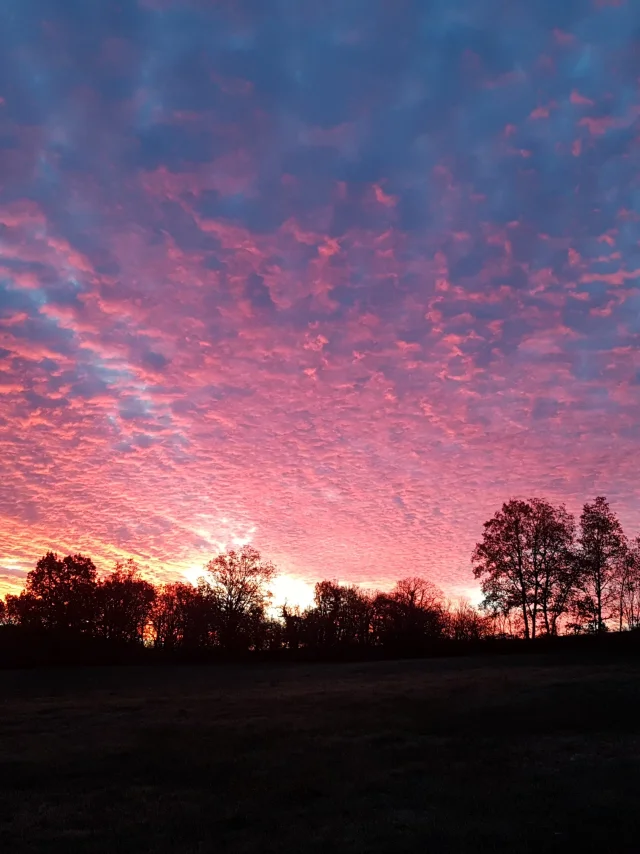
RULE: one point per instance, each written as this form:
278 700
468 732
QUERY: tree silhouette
602 545
59 594
324 621
465 623
553 562
412 613
23 610
536 577
236 587
526 561
123 604
294 627
342 616
627 585
181 618
501 561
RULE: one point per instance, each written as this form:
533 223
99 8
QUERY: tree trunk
621 604
525 617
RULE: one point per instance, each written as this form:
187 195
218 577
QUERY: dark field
468 755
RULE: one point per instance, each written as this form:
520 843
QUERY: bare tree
526 562
502 561
627 587
236 584
553 563
417 592
412 613
465 623
602 546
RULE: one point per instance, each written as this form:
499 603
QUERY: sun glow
291 590
285 589
193 574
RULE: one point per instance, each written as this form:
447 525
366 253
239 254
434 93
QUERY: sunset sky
332 277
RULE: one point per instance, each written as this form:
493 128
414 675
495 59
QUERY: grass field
465 755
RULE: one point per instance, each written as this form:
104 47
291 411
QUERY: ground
509 754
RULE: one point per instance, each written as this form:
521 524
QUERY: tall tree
526 562
602 545
627 588
552 562
238 589
60 592
502 561
124 601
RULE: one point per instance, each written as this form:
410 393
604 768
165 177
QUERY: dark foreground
510 755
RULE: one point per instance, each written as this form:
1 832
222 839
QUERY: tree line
541 573
228 609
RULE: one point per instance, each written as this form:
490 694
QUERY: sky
332 278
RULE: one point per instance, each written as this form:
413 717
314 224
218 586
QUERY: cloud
334 285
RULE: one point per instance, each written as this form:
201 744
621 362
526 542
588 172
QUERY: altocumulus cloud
335 283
